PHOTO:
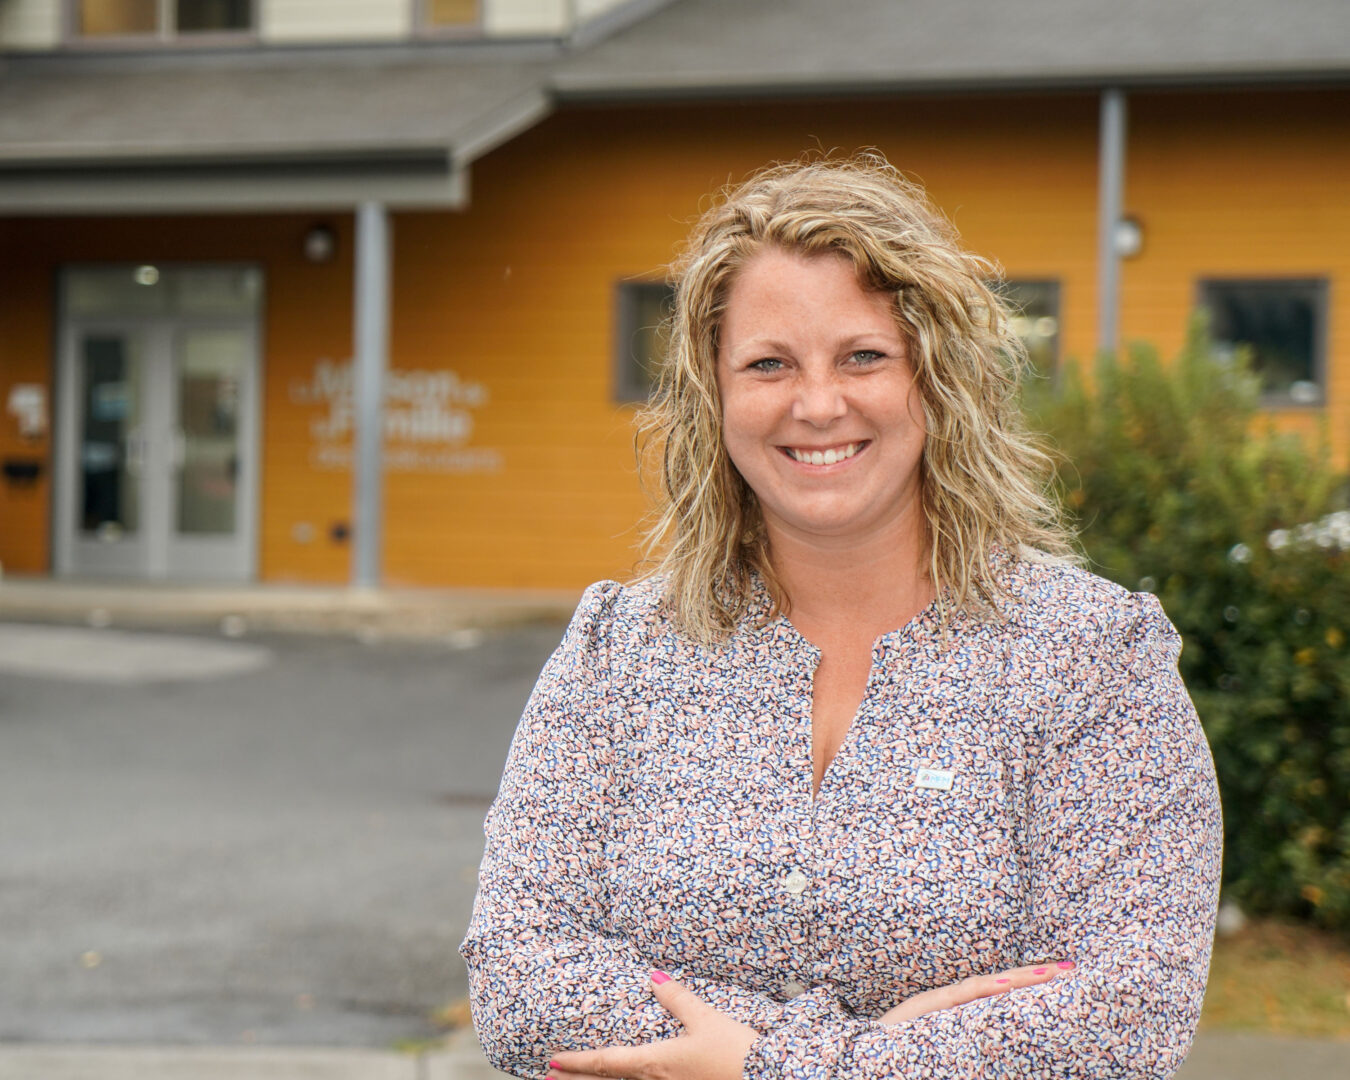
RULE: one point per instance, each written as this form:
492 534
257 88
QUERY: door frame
65 537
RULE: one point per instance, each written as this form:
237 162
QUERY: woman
887 785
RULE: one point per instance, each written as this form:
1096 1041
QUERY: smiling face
821 415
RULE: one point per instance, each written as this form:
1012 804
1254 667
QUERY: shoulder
1051 601
614 617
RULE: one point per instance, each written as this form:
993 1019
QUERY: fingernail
553 1065
1039 971
660 977
1002 980
1065 965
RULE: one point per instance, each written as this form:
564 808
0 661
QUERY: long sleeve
546 970
1121 849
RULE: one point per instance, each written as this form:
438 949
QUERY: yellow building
212 240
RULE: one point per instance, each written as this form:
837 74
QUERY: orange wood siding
1252 184
25 357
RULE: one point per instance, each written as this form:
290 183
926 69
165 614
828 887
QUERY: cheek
744 425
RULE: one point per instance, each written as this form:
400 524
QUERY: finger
974 987
609 1063
978 986
678 1000
1030 974
986 986
562 1074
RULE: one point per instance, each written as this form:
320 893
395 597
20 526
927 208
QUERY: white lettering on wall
430 412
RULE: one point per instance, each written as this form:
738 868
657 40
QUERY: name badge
938 779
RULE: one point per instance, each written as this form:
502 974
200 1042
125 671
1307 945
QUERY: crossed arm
1133 910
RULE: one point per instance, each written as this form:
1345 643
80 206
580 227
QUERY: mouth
825 455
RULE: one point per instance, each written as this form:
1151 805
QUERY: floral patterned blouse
1031 789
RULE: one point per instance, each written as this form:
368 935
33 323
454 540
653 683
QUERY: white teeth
824 457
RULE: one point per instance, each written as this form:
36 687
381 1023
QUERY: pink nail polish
1065 965
1003 980
554 1065
1039 971
660 977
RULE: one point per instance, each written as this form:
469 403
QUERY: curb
1244 1055
52 1062
1224 1055
239 610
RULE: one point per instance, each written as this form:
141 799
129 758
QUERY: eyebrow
773 345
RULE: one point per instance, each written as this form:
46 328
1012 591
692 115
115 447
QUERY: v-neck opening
881 645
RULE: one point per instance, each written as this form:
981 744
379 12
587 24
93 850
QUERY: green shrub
1181 487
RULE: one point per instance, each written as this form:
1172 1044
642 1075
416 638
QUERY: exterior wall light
320 244
1129 237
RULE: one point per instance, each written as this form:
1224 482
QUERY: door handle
135 451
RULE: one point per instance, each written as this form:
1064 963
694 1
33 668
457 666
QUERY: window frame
424 28
1056 284
1320 285
163 37
624 389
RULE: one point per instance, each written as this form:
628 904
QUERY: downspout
1110 207
371 338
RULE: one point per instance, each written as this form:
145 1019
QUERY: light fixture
320 243
1129 237
146 275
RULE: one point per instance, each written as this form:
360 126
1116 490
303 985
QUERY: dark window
1282 323
644 307
195 16
1035 319
160 18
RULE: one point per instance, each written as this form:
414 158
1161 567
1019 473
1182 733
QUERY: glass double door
158 469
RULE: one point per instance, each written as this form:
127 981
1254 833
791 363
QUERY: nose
819 400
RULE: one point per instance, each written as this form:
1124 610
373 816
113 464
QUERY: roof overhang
766 49
248 183
323 133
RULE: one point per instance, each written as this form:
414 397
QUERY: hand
713 1046
977 986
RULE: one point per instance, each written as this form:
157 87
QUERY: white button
793 989
795 883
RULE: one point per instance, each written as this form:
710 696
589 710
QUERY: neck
872 583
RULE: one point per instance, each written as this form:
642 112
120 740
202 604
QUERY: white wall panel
511 17
335 20
30 24
587 9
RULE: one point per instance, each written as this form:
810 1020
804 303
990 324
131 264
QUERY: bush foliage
1181 487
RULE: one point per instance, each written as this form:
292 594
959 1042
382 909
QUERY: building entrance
157 437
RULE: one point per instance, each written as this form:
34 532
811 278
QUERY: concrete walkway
460 1059
1215 1056
240 609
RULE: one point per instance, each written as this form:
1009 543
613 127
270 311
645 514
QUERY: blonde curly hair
985 479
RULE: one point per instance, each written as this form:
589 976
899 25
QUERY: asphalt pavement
228 851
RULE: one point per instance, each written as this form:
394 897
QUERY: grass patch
1282 979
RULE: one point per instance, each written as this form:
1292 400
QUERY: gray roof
702 47
281 128
278 131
